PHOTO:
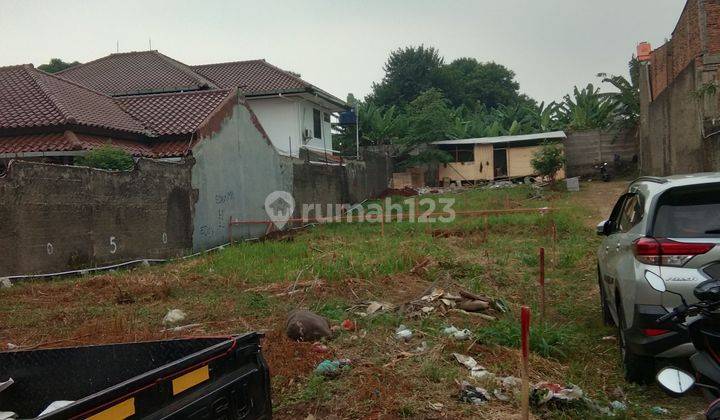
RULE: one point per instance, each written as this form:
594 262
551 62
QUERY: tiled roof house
294 113
48 115
152 105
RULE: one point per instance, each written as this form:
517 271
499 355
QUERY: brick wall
712 18
669 60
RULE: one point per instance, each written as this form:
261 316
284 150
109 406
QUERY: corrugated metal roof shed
553 135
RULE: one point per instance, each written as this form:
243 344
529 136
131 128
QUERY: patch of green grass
546 340
406 411
333 309
317 389
254 303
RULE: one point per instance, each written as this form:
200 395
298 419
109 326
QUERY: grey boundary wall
583 149
55 217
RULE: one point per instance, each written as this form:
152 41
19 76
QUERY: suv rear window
688 212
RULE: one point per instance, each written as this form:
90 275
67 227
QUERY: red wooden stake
542 285
525 344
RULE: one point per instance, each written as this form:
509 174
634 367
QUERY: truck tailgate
199 378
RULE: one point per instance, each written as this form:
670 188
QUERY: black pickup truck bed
198 378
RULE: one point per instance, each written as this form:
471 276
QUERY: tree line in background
422 99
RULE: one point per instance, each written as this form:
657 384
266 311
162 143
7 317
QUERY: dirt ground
336 270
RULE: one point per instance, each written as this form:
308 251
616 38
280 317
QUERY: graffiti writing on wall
217 221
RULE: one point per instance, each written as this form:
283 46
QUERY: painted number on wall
49 248
113 245
164 237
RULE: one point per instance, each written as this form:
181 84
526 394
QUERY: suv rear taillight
662 251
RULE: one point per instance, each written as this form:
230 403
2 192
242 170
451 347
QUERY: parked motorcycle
704 331
603 168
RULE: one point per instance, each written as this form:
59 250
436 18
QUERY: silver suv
671 227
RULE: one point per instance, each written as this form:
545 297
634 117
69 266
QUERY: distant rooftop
507 139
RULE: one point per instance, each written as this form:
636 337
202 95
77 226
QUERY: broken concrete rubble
174 316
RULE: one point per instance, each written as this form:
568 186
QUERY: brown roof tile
174 113
30 98
253 77
70 141
137 72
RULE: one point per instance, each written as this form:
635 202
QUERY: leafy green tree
586 109
626 97
409 71
468 82
55 65
548 160
106 157
429 119
378 126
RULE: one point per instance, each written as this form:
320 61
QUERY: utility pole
357 130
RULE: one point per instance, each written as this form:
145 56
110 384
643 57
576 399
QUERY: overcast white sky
341 46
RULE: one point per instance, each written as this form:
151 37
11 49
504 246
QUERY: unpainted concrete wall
369 177
671 133
235 170
332 184
583 149
57 218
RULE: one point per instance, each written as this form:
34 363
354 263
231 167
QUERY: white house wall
279 117
235 169
306 114
286 118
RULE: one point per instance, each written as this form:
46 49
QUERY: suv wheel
638 369
606 315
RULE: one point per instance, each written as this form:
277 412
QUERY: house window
460 152
326 117
317 124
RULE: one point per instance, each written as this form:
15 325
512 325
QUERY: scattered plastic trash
375 306
450 303
659 411
618 406
473 394
320 348
434 294
332 368
500 305
436 406
12 346
5 282
422 348
609 338
456 333
55 405
500 395
467 361
5 385
174 316
476 371
403 333
348 325
544 392
427 309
